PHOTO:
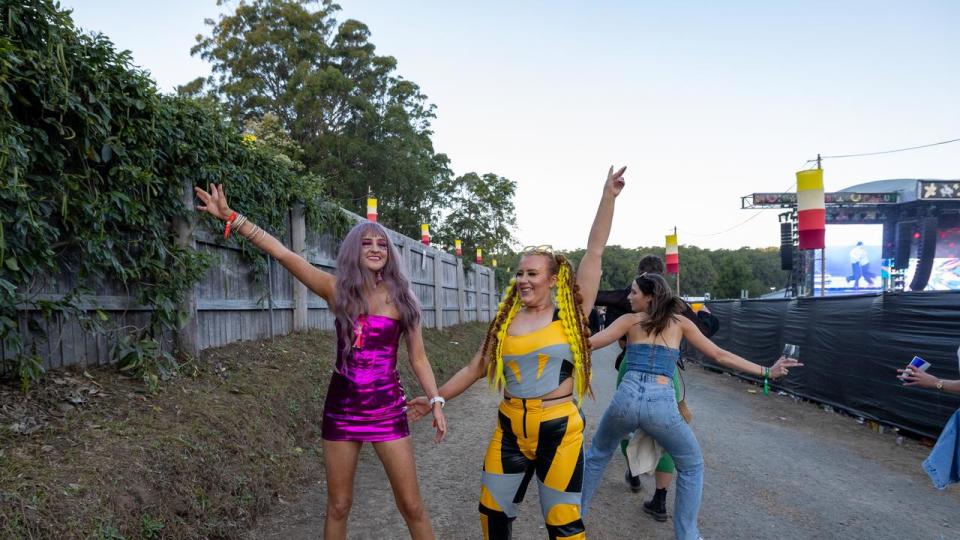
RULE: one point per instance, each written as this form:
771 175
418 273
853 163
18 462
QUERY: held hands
913 377
615 181
214 202
782 367
418 407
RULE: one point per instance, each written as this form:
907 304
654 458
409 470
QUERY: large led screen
853 260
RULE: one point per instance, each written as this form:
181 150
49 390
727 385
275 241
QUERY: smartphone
918 364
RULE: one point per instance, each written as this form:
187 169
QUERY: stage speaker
889 240
904 241
925 253
786 246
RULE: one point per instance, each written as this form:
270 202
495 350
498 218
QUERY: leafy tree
765 265
733 275
619 264
698 270
268 132
481 214
362 128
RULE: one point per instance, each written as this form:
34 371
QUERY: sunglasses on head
534 250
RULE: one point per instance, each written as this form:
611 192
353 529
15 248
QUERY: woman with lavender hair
374 305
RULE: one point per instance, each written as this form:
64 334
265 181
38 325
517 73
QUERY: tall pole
270 293
823 257
678 258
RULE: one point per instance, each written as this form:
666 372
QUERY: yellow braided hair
497 331
575 326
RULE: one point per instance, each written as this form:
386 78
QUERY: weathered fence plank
231 303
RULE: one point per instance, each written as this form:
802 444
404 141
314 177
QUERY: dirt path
775 469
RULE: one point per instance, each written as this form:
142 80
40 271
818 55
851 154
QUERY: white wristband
439 400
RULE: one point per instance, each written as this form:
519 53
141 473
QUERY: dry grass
89 454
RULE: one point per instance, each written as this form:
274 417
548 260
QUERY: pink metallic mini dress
365 400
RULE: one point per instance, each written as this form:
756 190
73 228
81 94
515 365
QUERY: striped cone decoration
372 209
811 211
673 254
425 234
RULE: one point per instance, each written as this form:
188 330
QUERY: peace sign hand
615 181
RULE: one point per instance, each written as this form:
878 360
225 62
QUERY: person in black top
617 304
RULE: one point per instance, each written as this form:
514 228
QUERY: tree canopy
480 213
362 127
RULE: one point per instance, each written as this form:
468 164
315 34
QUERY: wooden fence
229 304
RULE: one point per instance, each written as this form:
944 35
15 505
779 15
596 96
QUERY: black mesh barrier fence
851 347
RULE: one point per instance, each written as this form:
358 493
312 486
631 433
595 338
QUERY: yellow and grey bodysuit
535 439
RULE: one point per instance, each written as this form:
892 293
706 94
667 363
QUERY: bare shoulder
682 321
631 319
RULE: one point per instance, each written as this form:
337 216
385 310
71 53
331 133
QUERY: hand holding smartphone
917 364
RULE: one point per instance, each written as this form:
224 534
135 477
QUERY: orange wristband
226 228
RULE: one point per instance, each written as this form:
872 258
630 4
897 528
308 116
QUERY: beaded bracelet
237 223
253 231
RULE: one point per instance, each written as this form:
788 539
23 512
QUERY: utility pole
678 267
823 257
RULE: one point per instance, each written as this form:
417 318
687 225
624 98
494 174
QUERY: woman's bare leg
398 461
340 462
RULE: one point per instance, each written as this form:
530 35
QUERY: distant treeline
721 272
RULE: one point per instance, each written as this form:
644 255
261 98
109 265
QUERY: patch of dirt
90 453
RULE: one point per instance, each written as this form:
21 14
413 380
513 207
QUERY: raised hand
615 181
417 408
782 367
214 201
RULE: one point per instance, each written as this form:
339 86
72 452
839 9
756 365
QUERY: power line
887 151
806 164
742 223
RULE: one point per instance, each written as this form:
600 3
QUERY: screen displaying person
860 266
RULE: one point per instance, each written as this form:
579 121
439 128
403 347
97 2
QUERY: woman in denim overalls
645 399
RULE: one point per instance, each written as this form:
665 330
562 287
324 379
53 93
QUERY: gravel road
775 468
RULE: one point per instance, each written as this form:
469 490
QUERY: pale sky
703 101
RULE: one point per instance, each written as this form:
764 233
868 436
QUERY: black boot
633 482
657 506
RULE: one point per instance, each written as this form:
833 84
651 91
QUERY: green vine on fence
94 161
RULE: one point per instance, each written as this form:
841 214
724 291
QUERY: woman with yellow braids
537 351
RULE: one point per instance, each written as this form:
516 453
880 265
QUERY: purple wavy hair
353 279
